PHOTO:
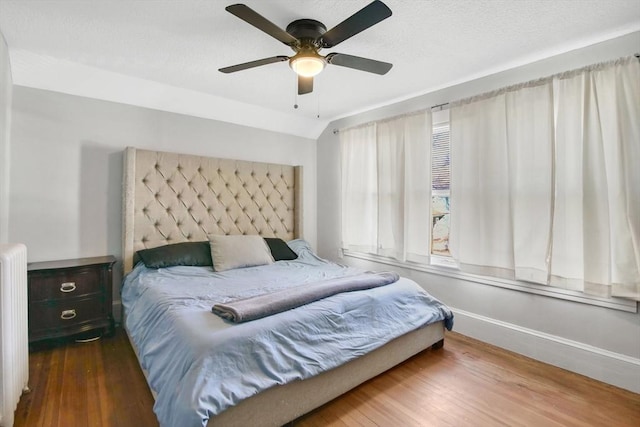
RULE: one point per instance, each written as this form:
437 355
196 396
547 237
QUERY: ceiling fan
307 37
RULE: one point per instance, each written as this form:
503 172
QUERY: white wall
66 166
6 87
599 342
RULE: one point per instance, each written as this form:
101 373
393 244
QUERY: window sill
450 270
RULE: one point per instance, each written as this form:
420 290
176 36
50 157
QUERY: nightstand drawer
64 284
55 315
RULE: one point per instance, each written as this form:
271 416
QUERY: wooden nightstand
69 297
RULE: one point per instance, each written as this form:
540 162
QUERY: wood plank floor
467 383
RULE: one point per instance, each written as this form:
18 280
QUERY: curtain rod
386 119
433 107
544 80
441 107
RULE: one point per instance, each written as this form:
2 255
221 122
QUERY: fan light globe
307 65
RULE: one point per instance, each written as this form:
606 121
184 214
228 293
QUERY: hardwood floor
467 383
90 384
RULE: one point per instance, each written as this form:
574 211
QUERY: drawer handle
68 287
68 314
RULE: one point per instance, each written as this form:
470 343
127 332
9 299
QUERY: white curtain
545 181
481 236
359 189
530 162
386 187
596 223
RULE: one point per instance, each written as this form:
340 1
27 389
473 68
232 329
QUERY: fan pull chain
295 93
318 110
318 104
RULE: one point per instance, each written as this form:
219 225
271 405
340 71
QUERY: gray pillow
280 250
186 253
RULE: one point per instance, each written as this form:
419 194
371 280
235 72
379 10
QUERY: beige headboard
172 198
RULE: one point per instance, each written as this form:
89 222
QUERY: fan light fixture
307 64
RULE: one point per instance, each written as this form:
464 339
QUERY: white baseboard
603 365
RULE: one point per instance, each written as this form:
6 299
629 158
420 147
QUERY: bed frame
172 198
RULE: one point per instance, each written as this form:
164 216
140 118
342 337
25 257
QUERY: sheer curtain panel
481 237
545 178
359 189
386 187
596 226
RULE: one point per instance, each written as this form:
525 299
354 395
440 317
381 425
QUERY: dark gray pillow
280 250
186 253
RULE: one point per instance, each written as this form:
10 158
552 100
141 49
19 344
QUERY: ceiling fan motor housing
307 31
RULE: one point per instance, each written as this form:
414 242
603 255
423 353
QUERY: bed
296 359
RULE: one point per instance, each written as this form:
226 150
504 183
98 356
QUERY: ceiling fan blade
358 63
252 17
305 85
252 64
359 21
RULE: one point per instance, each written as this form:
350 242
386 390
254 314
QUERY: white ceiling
165 54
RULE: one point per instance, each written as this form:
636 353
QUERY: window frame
439 124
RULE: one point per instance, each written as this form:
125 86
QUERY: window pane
440 225
440 178
440 170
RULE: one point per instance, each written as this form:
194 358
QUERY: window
440 192
395 188
543 182
520 156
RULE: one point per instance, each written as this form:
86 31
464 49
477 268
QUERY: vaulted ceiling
166 54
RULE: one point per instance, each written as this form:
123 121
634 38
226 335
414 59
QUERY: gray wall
6 87
595 341
66 166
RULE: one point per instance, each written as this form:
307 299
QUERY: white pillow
236 251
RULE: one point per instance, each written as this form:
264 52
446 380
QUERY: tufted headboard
172 198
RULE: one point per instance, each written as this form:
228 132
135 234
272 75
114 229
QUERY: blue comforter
199 364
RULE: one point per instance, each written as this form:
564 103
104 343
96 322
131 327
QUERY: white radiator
14 341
